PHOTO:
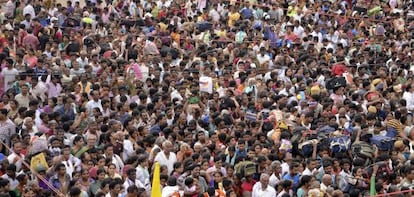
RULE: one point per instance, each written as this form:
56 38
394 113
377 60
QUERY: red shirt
247 186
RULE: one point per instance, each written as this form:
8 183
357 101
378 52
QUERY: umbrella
87 20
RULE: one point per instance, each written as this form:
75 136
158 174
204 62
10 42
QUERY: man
131 179
276 176
262 188
293 175
23 98
9 74
28 9
310 169
11 176
7 127
195 174
95 102
166 156
16 157
109 153
114 189
31 40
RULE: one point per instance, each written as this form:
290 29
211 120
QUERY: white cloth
258 191
409 97
273 180
9 76
169 162
117 161
13 182
169 190
29 10
18 163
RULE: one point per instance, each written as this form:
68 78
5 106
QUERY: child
189 187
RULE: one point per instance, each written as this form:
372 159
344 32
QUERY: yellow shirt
233 17
163 27
221 33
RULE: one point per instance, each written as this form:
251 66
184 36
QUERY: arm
372 191
315 149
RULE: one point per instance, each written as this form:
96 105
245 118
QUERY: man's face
24 89
264 181
17 148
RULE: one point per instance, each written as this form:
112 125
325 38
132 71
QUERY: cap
398 144
372 109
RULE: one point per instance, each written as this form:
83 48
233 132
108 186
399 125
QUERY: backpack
306 148
363 150
245 168
383 142
340 144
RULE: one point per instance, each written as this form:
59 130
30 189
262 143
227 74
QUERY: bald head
327 179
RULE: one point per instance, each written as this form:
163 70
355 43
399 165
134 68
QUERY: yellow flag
156 185
37 161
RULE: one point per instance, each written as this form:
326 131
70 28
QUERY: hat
375 82
52 122
283 125
93 172
396 124
41 168
398 144
315 90
397 88
372 109
372 96
148 15
338 69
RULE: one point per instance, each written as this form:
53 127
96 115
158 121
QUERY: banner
206 84
156 184
37 161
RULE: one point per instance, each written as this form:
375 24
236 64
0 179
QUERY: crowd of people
232 98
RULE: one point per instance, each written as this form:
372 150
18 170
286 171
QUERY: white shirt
9 75
29 10
92 104
273 180
409 97
143 175
13 182
259 192
18 163
117 161
169 162
128 149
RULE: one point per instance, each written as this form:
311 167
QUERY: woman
84 180
178 170
51 102
78 146
14 106
184 152
86 161
111 173
143 175
29 126
304 186
5 102
30 58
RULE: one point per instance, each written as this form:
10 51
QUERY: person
7 127
166 157
262 187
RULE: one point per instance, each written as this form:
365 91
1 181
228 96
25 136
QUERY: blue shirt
246 12
294 179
